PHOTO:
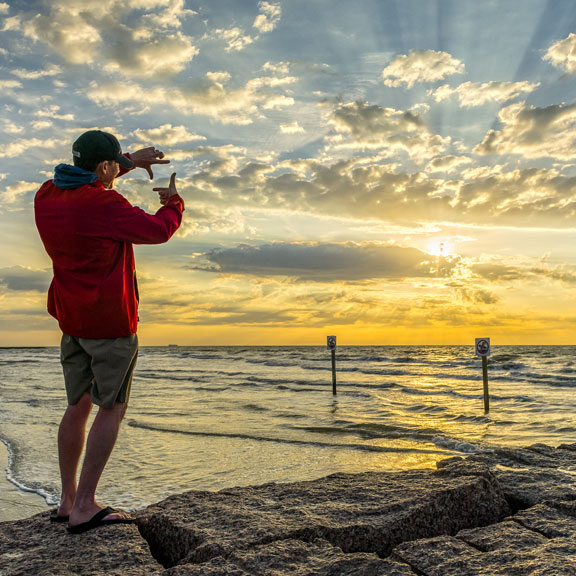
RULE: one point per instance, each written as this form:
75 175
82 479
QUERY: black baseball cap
94 147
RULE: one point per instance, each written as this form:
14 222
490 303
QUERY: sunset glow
394 172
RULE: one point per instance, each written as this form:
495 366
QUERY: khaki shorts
103 367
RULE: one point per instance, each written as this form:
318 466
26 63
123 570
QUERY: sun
439 248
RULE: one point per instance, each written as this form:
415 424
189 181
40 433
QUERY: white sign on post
331 342
482 346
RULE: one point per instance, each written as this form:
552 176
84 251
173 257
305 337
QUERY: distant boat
172 345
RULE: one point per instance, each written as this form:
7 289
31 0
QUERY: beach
15 503
508 512
212 418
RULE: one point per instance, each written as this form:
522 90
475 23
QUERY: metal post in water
333 371
485 378
483 350
331 345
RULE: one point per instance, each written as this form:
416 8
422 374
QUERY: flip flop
55 517
98 520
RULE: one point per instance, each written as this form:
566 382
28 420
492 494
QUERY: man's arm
132 224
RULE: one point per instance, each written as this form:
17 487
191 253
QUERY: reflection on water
208 418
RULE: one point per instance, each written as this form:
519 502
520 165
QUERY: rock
37 547
527 476
448 556
369 512
501 536
534 542
454 521
294 558
548 521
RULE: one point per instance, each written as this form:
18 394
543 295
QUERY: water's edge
16 502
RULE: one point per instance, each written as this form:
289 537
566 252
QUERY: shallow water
209 418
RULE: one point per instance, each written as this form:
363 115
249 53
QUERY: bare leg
71 436
101 441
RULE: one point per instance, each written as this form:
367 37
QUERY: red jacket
88 233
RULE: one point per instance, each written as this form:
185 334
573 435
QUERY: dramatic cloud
533 132
470 94
349 173
421 66
113 33
326 262
381 128
562 54
364 189
210 96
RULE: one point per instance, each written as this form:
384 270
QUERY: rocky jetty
508 512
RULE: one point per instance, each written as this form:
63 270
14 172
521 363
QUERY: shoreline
508 511
16 504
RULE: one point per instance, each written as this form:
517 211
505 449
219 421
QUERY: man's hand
146 157
165 193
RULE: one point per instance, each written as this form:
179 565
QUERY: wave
292 441
458 445
51 499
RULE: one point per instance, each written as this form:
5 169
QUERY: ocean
208 418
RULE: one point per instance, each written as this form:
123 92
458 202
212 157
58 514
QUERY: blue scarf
69 177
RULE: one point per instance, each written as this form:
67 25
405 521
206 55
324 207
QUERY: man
88 231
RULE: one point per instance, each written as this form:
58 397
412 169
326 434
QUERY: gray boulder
371 512
36 547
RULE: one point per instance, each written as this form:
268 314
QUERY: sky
387 171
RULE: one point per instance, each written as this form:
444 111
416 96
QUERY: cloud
533 132
237 38
472 294
472 94
375 127
562 54
447 163
496 272
18 147
53 112
24 279
210 96
11 194
421 66
117 33
51 70
375 188
10 84
292 128
508 273
325 262
9 127
167 135
268 18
